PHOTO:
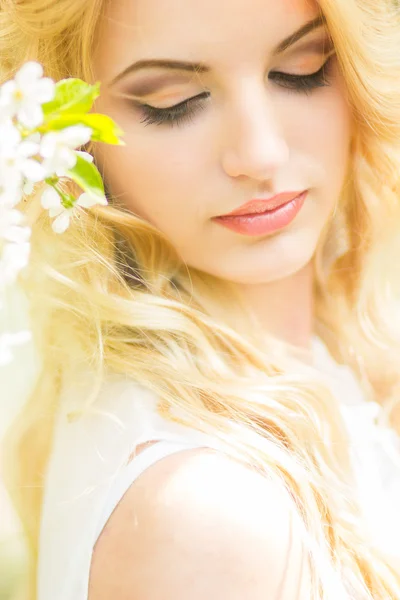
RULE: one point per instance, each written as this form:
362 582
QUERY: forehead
198 30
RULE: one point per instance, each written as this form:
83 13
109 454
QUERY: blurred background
16 380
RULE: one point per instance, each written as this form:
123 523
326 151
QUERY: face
219 108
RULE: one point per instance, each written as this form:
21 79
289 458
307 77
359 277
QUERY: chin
267 265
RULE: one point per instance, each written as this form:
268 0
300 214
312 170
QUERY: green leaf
72 96
87 176
103 127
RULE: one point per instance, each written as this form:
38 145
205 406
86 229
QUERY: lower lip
266 222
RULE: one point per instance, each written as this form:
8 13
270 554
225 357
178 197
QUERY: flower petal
50 198
10 138
87 200
10 196
28 73
48 144
30 115
9 218
28 188
8 340
14 258
18 235
45 90
28 148
67 158
76 135
61 223
33 170
57 210
7 91
85 155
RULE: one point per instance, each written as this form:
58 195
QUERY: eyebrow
182 65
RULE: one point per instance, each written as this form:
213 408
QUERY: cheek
321 131
332 132
156 174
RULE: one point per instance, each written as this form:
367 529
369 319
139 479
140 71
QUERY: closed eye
173 115
303 83
186 110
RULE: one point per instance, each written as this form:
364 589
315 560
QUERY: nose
254 145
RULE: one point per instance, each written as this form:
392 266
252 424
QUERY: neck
284 308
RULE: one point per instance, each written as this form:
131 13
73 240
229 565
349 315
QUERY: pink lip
267 222
260 205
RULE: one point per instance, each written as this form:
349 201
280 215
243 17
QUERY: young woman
215 415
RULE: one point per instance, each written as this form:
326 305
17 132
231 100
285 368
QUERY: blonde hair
111 294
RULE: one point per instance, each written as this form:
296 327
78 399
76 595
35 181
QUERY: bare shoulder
198 525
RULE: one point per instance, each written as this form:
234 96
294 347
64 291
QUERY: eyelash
186 110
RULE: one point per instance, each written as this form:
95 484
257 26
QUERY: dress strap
135 467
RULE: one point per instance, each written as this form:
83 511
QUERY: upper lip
260 205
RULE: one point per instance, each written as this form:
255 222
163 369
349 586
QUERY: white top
89 470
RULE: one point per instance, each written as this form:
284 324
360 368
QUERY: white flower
9 195
8 340
52 202
17 163
10 176
87 200
9 136
14 245
11 228
58 148
14 258
34 137
85 155
23 96
28 188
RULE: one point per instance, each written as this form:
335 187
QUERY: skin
197 525
253 137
